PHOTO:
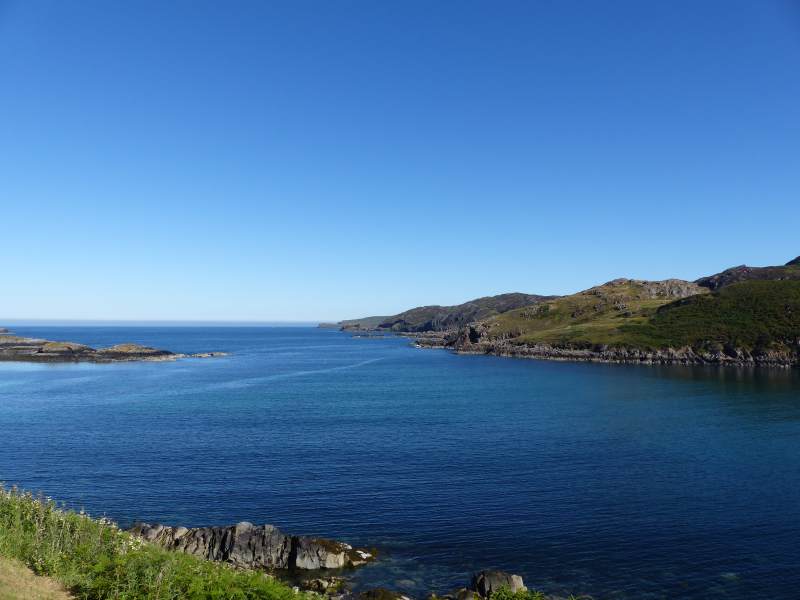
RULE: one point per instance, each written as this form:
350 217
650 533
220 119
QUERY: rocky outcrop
486 583
650 290
249 546
40 350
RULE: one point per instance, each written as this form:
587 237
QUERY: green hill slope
755 322
443 318
754 314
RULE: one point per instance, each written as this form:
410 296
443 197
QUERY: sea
615 481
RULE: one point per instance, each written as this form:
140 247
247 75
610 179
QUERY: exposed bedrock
248 546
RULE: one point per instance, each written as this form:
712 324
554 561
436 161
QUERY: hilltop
445 318
788 272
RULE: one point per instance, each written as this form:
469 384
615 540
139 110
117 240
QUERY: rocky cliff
255 547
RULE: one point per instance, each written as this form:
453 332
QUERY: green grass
752 314
95 560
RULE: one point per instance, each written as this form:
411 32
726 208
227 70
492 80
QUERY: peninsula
741 316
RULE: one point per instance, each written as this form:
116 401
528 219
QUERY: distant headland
741 316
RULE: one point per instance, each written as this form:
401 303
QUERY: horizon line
153 323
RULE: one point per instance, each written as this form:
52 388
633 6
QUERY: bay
618 481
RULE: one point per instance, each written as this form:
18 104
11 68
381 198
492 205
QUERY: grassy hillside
95 560
442 318
594 316
658 315
754 314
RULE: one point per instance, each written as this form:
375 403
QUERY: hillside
754 322
790 271
593 316
444 318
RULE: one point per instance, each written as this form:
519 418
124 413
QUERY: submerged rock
249 546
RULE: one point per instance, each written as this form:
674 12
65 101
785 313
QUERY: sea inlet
618 481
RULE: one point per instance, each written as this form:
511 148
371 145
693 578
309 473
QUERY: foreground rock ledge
250 547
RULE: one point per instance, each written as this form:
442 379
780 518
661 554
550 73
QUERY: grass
18 582
591 317
95 560
752 314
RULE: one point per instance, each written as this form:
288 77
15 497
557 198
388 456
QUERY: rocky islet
21 349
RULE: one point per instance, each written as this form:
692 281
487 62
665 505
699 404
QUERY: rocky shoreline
468 341
247 546
20 349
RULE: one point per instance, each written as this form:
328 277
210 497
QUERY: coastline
736 357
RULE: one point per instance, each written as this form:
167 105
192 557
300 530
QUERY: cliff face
443 318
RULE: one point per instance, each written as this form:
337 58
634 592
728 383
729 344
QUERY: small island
22 349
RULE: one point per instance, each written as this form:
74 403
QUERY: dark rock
379 594
248 546
796 261
322 584
488 582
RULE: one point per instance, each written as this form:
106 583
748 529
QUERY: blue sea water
617 481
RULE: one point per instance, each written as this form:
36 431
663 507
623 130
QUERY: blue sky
302 161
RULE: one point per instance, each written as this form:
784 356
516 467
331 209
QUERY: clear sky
301 161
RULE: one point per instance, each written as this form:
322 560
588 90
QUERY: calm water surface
614 481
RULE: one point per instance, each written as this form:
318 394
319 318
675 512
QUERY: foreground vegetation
95 560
